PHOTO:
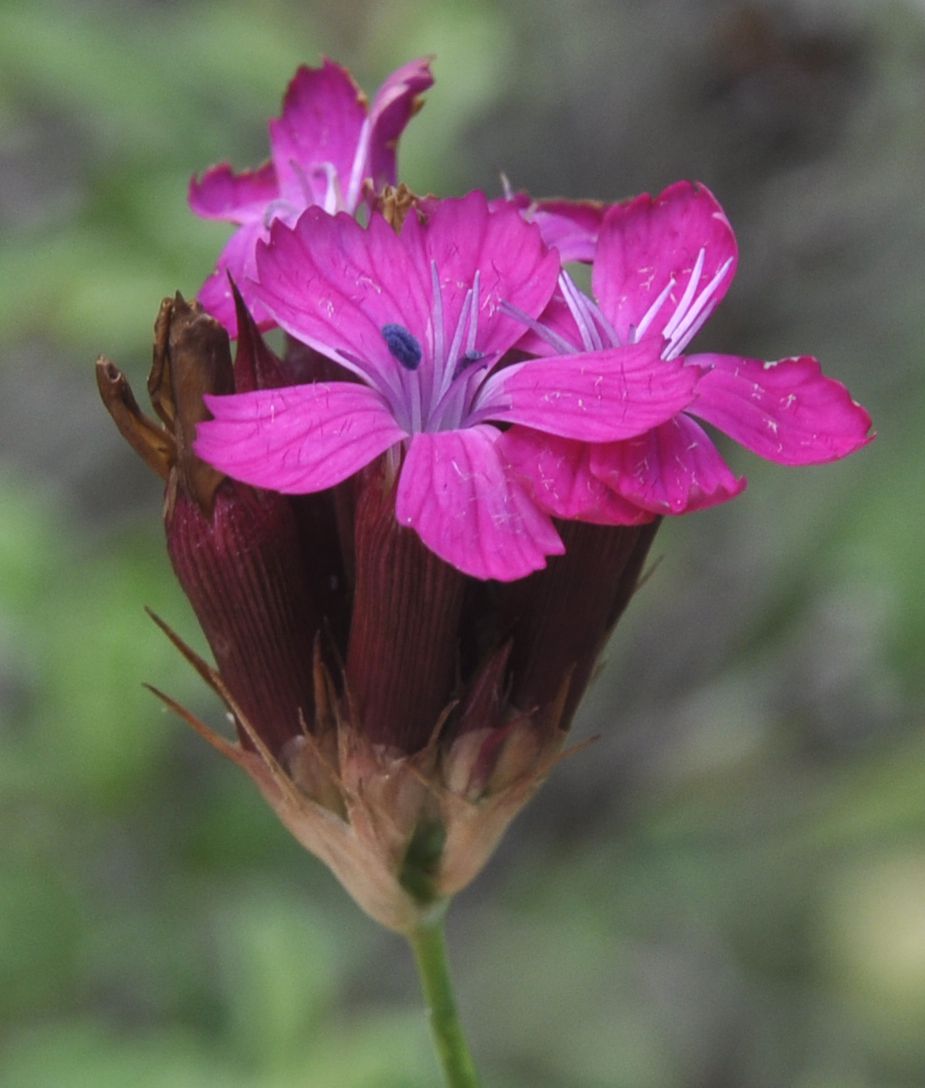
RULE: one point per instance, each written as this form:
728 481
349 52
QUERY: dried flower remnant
228 543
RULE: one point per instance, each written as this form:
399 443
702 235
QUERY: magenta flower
423 318
324 148
661 267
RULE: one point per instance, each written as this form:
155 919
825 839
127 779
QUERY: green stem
429 947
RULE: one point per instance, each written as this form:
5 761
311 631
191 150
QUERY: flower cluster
462 349
408 535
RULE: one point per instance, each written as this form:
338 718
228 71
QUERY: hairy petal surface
673 469
598 396
456 493
647 242
298 438
557 473
237 198
788 411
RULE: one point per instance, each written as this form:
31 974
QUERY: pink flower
324 147
422 319
661 266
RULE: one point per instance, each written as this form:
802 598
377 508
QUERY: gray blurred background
728 889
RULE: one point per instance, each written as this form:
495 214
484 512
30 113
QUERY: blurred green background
728 890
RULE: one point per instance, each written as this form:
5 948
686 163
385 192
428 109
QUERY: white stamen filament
681 308
473 314
439 334
602 320
685 330
358 168
590 337
332 195
456 344
554 339
447 396
278 208
649 316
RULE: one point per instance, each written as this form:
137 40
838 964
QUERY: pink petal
238 260
557 474
571 226
333 285
238 198
322 121
459 498
464 237
788 412
647 241
597 396
673 469
296 439
396 102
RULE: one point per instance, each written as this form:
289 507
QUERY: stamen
451 408
277 208
439 331
473 315
466 360
590 337
554 339
333 197
682 306
357 168
456 345
648 317
595 311
687 329
402 345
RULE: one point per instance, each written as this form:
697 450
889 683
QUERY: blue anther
466 360
402 345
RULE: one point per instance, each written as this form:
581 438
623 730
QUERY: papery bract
423 318
324 148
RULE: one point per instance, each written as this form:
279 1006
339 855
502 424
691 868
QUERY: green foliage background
728 889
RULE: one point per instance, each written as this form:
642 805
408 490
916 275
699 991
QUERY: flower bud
237 552
402 654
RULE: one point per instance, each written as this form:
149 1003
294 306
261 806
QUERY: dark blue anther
403 346
466 360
